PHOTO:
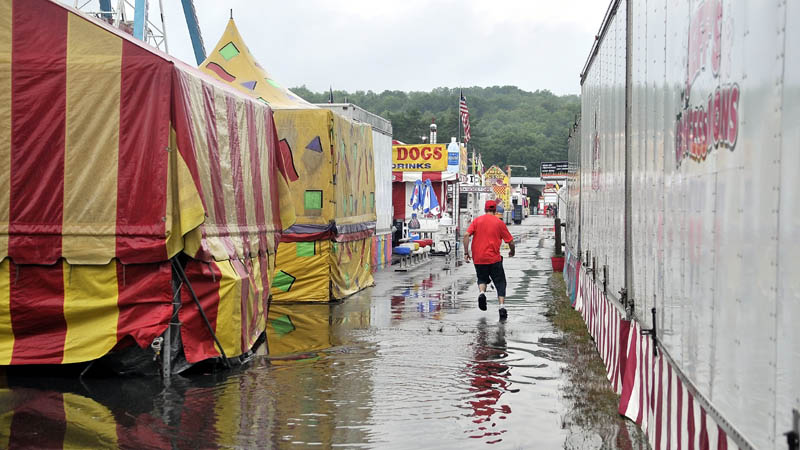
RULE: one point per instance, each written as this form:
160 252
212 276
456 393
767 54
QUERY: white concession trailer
683 221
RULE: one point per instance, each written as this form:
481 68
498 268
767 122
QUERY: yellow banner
419 158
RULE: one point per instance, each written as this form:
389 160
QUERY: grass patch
593 419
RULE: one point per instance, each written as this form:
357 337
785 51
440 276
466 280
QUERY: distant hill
509 125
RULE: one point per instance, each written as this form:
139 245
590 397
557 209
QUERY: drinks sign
419 158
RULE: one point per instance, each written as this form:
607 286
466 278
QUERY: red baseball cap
491 205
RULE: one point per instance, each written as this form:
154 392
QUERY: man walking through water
487 232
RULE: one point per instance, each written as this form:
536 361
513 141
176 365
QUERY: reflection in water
317 398
300 330
489 379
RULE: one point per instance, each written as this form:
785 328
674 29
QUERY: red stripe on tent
37 411
182 121
198 343
642 366
607 333
213 155
38 127
144 301
258 194
628 375
37 314
704 444
649 374
659 400
143 132
690 421
722 439
669 406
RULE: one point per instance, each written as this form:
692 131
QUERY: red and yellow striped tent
114 159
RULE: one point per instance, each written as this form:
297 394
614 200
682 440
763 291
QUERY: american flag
462 108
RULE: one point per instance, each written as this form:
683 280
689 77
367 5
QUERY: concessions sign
557 169
494 176
419 158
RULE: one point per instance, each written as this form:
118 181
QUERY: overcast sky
403 44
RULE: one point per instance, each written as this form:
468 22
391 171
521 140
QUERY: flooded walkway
409 363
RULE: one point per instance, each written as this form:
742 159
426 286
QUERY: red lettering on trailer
700 130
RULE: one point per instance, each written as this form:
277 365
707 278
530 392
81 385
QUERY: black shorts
494 272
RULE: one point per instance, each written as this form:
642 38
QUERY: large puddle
409 363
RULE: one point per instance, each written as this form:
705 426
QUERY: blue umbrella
430 204
416 196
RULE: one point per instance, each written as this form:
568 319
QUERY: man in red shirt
487 232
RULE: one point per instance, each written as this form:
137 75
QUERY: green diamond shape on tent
305 249
283 281
229 51
283 325
273 82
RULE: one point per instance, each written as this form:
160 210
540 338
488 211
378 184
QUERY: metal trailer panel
602 159
787 392
572 210
712 233
382 144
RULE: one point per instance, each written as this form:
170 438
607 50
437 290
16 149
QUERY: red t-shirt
487 231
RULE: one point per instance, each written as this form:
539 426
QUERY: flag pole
456 212
458 113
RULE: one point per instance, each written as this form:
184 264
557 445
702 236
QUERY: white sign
472 189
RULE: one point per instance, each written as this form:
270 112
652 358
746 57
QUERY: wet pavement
409 363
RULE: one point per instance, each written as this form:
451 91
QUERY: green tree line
508 125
